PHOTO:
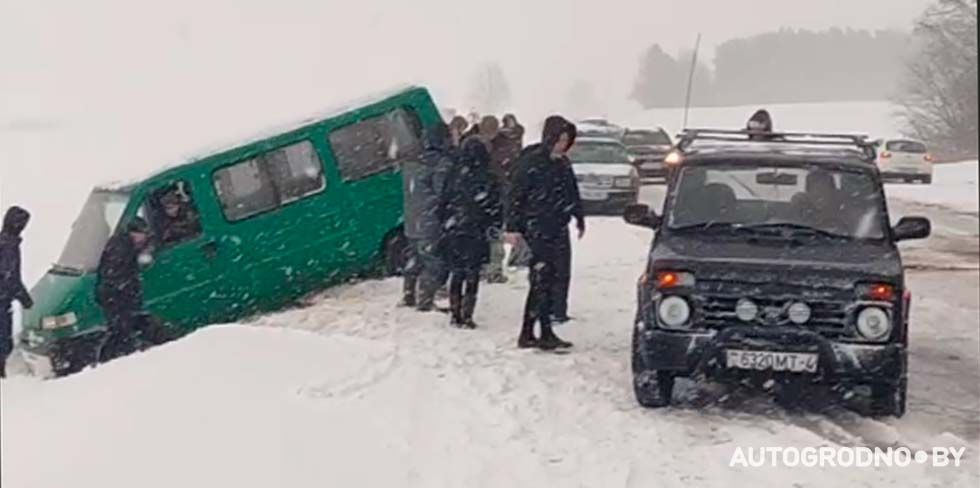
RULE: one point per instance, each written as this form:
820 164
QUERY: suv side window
173 215
375 145
269 180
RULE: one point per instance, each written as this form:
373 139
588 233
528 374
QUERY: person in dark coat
119 289
179 221
541 207
11 285
760 121
470 213
424 181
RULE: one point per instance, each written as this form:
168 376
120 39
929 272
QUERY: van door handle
210 249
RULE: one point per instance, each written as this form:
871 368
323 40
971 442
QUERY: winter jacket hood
15 220
554 127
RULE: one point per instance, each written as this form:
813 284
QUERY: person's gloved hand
28 302
581 228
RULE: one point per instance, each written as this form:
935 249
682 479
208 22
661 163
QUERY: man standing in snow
11 285
423 184
119 289
540 212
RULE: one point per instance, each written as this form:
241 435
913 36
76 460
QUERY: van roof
258 136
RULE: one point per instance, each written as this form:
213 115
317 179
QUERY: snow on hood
605 169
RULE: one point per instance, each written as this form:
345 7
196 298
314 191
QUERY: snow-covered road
352 391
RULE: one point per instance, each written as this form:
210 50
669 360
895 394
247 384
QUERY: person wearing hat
178 220
11 284
119 288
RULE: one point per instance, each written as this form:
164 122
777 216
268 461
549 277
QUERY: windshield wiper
794 229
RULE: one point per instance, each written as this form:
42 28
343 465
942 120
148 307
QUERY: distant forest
779 67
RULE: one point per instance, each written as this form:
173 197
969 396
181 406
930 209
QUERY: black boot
527 340
549 341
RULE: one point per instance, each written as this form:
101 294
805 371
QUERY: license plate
796 362
594 195
652 165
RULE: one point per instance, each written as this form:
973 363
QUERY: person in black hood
760 121
119 288
11 285
471 214
424 181
542 203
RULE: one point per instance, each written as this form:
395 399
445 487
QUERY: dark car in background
607 181
775 265
647 149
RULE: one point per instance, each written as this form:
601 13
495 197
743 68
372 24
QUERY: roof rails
856 141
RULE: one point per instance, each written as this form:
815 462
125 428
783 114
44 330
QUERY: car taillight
928 158
882 292
885 155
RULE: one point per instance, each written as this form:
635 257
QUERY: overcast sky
132 54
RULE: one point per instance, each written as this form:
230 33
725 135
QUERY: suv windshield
906 147
91 230
598 153
646 139
808 200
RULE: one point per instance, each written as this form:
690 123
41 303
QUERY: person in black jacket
11 285
119 289
541 207
470 212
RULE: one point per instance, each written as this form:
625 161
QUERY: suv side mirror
641 215
911 228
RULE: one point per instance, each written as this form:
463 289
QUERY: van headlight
874 323
674 312
59 321
623 182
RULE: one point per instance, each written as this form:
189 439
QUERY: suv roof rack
856 141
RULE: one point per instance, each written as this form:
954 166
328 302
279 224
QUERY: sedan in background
607 180
904 160
647 149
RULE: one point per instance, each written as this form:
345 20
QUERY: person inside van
11 285
119 288
178 221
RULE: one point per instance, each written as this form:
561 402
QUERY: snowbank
954 185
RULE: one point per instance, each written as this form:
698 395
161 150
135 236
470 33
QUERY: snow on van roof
258 135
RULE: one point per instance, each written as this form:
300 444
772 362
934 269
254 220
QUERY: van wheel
888 399
395 248
652 388
70 356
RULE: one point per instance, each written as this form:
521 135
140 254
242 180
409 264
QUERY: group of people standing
475 188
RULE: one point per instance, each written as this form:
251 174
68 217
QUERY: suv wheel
653 389
888 399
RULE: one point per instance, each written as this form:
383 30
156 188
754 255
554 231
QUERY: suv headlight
59 321
874 323
674 312
623 182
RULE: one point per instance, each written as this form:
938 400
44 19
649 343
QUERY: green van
243 230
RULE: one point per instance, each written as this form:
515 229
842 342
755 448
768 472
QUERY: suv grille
830 309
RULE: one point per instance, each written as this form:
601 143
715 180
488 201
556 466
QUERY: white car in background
905 160
607 180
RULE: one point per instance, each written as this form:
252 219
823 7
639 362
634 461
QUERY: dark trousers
464 284
122 337
6 335
424 273
539 307
563 275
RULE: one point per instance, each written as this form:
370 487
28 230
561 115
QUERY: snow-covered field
351 391
954 186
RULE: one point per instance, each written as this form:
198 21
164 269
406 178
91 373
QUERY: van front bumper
698 353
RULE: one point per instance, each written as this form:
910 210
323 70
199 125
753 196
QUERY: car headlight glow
799 313
59 321
874 324
674 312
746 310
623 182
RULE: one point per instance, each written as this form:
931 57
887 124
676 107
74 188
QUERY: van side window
375 145
245 189
296 171
173 215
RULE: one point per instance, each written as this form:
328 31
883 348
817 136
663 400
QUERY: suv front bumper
698 353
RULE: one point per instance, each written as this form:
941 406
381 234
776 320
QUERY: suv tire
653 389
888 400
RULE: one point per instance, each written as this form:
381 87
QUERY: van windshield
91 230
